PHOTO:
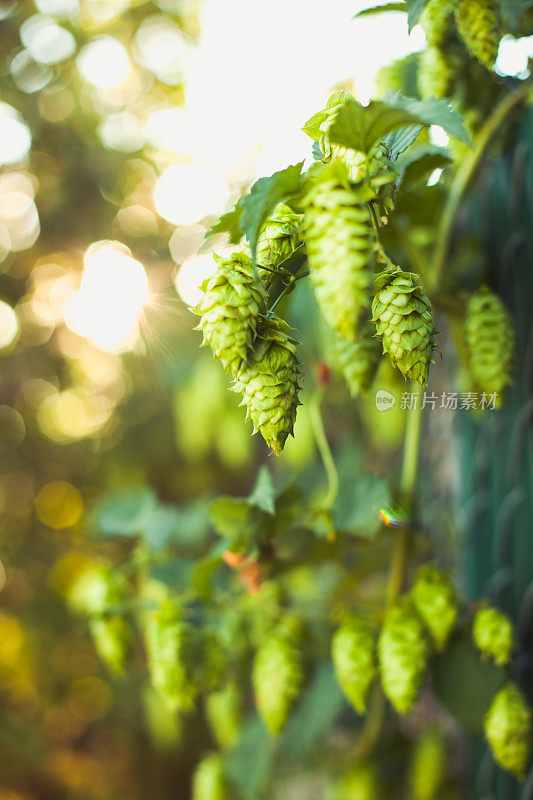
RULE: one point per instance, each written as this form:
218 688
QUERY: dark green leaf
124 513
249 764
175 572
360 127
264 195
361 497
399 140
316 711
239 522
264 494
228 223
366 12
182 525
417 165
414 11
202 575
465 684
431 111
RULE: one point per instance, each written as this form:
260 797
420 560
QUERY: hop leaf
356 361
489 340
269 382
353 654
404 322
479 26
112 639
340 249
508 729
208 780
360 783
223 710
427 765
434 598
402 654
278 237
233 300
493 634
277 676
168 647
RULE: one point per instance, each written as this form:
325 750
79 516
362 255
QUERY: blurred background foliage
116 431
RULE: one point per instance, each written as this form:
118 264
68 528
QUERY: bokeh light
161 48
104 62
59 505
186 193
15 140
9 325
47 41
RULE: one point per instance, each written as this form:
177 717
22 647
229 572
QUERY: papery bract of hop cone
269 382
479 26
278 237
428 762
404 322
361 782
112 639
354 659
234 297
340 249
402 655
435 600
356 361
508 729
277 676
437 21
489 341
492 632
168 640
208 781
223 710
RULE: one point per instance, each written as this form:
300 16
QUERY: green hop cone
168 640
223 710
277 676
489 341
354 660
278 237
208 781
234 297
492 632
428 762
96 590
404 322
479 27
356 361
359 783
437 21
508 729
402 654
112 638
400 76
340 249
435 600
437 71
269 382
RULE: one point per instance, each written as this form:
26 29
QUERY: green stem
465 174
324 449
292 281
379 245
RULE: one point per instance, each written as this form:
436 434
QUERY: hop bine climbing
354 660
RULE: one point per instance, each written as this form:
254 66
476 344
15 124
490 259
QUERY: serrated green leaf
124 513
317 153
249 764
315 712
414 12
360 500
360 127
431 111
465 684
264 195
312 126
228 223
264 494
239 522
419 162
367 12
398 141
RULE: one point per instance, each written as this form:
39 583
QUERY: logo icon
384 400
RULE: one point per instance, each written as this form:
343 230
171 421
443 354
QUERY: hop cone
360 783
489 341
168 648
208 780
96 590
277 677
402 654
404 322
353 654
233 299
112 638
434 598
427 765
400 76
493 634
356 361
479 27
437 21
223 711
436 72
268 381
508 729
278 237
340 249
